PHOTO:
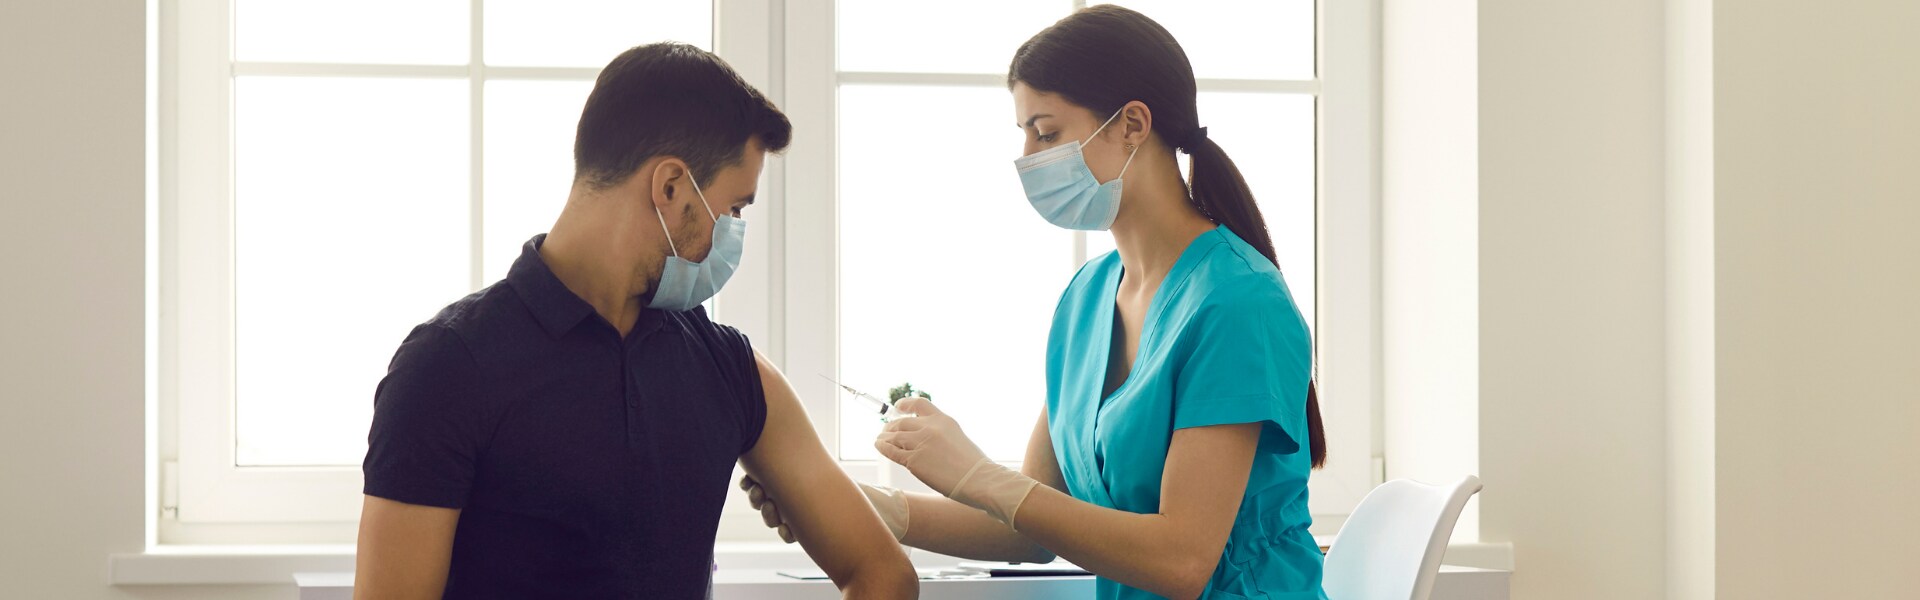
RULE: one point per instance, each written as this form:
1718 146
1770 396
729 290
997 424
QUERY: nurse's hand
931 445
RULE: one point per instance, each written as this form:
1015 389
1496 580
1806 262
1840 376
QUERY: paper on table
819 575
1057 568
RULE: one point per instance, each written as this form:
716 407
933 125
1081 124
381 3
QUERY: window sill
226 564
276 564
1454 583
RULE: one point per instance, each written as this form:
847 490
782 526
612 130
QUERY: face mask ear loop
1103 126
703 203
1123 167
703 197
663 230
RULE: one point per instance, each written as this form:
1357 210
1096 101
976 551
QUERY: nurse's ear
1134 125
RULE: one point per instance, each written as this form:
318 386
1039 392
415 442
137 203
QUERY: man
570 430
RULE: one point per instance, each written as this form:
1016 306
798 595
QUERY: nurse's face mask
685 284
1063 190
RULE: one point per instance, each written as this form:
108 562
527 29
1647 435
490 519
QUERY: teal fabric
1222 344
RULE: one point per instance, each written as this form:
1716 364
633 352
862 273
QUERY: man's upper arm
428 422
419 467
827 514
404 549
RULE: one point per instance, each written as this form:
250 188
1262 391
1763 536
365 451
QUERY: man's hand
404 550
890 503
769 512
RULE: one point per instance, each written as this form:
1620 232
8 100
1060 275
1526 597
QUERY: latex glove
889 502
932 447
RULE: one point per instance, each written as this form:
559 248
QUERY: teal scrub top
1222 344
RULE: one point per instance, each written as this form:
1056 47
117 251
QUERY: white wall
1572 312
1695 275
1817 200
1523 188
72 135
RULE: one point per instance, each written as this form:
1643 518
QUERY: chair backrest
1390 548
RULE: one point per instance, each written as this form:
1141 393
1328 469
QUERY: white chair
1390 548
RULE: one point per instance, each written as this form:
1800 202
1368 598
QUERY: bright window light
396 32
948 278
350 228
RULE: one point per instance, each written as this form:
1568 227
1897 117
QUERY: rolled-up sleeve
1247 359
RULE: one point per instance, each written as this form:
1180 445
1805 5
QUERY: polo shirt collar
557 308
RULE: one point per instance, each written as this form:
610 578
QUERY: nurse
1172 455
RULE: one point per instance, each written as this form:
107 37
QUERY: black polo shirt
585 465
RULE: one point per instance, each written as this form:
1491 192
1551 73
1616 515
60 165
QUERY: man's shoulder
718 336
740 372
475 312
489 327
451 330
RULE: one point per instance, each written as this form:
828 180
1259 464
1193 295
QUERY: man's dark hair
671 99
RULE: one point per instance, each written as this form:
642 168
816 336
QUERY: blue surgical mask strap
1103 127
703 197
667 232
710 215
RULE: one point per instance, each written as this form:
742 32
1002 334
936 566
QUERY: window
415 160
332 195
921 230
988 254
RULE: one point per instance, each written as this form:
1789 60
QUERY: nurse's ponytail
1102 57
1218 190
1221 193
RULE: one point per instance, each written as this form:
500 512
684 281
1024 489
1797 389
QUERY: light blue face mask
685 284
1062 188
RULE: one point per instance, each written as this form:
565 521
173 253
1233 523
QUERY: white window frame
205 497
784 296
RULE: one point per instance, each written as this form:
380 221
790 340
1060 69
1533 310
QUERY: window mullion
810 269
476 152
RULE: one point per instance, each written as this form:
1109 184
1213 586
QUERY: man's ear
669 183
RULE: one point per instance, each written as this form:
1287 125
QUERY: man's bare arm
935 522
404 550
821 506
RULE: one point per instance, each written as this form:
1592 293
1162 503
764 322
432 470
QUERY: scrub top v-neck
1221 343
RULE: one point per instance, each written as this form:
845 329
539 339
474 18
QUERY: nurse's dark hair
1102 57
671 99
